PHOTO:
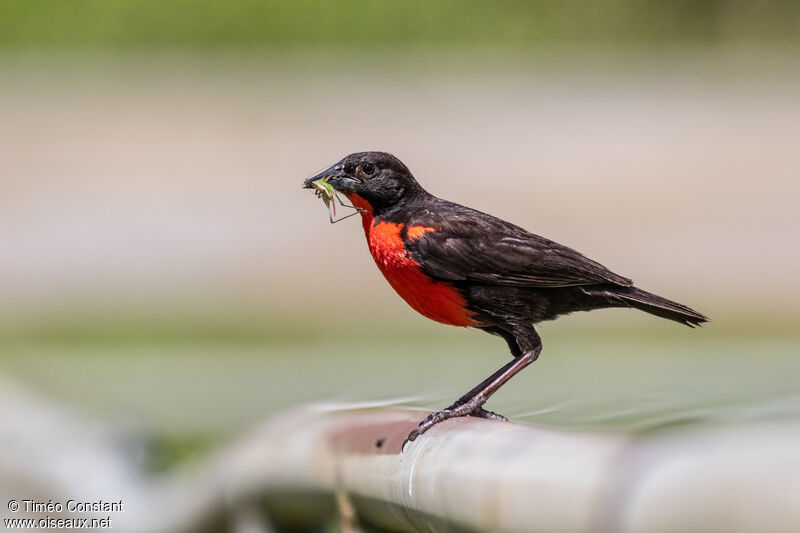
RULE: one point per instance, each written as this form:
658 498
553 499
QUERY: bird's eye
368 168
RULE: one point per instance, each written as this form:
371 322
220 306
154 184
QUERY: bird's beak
334 176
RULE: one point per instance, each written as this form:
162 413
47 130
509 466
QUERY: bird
462 267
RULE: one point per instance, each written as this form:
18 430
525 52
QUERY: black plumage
472 248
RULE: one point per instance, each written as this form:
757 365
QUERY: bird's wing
471 245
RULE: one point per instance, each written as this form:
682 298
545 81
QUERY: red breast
437 300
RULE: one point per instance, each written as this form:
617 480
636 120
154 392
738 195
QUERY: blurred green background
259 24
162 268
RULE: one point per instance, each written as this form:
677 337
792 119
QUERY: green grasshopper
324 190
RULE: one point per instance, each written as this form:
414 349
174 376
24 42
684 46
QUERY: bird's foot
458 409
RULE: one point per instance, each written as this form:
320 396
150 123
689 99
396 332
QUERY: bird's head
375 181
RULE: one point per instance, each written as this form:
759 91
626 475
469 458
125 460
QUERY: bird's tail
655 305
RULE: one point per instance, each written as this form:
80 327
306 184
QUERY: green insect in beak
324 190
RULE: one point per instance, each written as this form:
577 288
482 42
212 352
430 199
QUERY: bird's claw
458 409
480 412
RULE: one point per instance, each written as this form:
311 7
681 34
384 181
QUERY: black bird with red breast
462 267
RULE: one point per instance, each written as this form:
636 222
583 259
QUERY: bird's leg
474 399
472 402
